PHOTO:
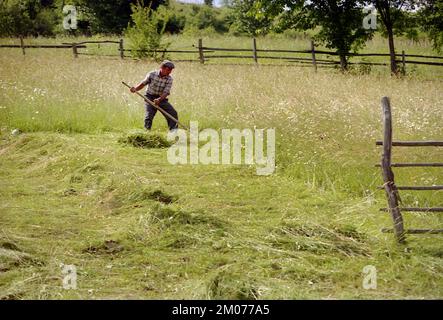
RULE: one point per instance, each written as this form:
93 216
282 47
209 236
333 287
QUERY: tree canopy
339 22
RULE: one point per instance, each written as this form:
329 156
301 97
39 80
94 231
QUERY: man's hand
157 101
133 89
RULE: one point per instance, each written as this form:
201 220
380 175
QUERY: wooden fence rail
204 54
313 52
391 189
52 46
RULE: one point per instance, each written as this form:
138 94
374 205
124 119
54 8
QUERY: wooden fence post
403 62
254 49
314 61
121 49
74 50
388 175
200 51
22 45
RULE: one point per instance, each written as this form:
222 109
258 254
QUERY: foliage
246 22
392 14
405 23
201 19
145 33
177 19
340 22
106 16
28 18
337 23
431 18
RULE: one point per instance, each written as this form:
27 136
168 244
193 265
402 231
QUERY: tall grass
326 122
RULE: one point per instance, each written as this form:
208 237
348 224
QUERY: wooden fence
204 54
312 54
391 189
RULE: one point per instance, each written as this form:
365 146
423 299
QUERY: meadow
137 227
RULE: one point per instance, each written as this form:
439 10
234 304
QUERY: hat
168 64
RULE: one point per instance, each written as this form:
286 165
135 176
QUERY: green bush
14 21
27 19
145 34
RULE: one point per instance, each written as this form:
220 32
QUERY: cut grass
229 234
145 140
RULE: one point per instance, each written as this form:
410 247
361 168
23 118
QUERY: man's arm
142 84
138 87
161 98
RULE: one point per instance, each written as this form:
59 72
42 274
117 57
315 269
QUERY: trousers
151 112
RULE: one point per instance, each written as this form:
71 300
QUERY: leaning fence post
254 49
121 49
22 45
200 51
314 61
403 62
74 50
388 174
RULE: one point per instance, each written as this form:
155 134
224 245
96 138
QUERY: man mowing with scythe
159 84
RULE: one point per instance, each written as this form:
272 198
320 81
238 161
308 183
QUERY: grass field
137 227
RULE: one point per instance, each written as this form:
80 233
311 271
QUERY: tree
205 19
340 22
106 16
27 17
14 21
246 20
209 3
389 12
145 33
431 18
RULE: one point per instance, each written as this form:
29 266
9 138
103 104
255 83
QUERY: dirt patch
9 246
108 247
162 197
69 192
156 195
12 296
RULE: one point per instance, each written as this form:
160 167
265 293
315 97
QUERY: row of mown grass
136 227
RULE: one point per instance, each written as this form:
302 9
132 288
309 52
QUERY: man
159 84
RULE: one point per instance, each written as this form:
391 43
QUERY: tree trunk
384 8
343 62
394 69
